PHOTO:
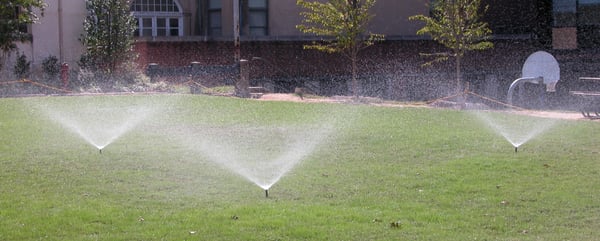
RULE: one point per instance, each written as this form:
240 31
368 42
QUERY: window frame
247 11
213 28
157 16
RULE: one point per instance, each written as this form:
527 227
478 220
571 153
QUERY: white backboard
542 64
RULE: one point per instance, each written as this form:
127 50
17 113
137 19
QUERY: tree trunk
458 82
354 59
459 85
354 81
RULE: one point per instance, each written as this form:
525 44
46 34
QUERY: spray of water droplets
99 121
515 129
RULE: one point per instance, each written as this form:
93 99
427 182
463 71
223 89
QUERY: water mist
514 128
260 154
98 120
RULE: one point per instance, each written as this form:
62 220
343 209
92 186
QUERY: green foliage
14 17
219 90
345 22
22 66
51 67
108 36
456 25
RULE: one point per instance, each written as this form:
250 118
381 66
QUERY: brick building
178 32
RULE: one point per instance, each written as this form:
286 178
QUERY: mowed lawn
380 173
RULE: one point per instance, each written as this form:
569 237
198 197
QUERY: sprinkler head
267 193
516 149
100 151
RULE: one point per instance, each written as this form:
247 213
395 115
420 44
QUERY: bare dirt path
346 99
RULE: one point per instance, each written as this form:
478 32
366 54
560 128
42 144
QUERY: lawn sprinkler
266 193
100 150
516 149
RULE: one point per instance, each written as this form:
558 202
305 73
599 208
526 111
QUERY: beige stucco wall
284 15
73 16
47 35
188 8
391 18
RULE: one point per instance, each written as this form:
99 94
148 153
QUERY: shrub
51 67
22 66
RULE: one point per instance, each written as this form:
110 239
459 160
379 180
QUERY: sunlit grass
434 174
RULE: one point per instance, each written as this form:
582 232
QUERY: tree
14 17
456 25
108 35
345 21
22 66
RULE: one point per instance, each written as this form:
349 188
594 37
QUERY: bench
589 98
256 91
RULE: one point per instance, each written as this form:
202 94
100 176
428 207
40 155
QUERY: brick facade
390 69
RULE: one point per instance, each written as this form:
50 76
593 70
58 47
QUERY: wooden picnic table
590 99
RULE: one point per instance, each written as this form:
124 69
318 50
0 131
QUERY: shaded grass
440 174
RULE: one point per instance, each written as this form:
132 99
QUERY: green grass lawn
381 174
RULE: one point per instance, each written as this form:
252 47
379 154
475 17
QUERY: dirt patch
552 114
378 102
309 99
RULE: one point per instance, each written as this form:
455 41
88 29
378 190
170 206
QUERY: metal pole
236 30
61 57
243 83
517 82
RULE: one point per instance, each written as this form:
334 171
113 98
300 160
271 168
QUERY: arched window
158 17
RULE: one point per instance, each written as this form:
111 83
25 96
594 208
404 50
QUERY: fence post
194 73
152 71
243 82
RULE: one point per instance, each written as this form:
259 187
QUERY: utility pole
236 30
61 54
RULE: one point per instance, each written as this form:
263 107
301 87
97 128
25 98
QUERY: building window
588 23
158 17
214 18
565 13
254 19
588 11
